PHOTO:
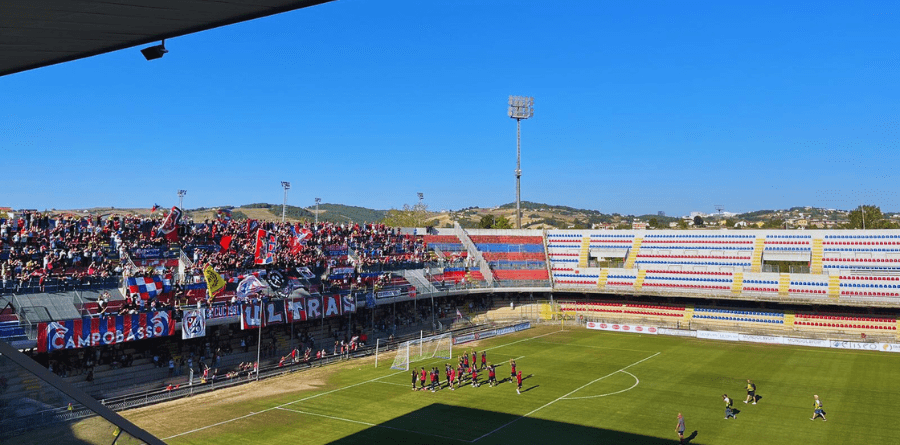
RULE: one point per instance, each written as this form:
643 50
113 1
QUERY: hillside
534 216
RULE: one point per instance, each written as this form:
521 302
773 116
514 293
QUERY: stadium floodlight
520 107
181 194
287 186
421 196
318 200
155 51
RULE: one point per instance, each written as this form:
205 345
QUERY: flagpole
259 339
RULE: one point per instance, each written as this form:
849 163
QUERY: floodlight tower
520 107
719 208
318 200
287 186
181 194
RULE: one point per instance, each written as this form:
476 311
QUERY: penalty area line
332 391
562 397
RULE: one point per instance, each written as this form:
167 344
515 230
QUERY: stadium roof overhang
38 33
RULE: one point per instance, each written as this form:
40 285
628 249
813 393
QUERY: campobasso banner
82 333
634 328
491 333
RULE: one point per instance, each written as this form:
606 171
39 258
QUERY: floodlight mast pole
287 186
181 194
318 200
520 107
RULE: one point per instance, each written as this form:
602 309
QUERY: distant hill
534 215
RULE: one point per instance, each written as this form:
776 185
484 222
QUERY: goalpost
436 346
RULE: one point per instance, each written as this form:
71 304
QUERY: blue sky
639 107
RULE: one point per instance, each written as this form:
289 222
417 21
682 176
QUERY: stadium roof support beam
39 33
76 394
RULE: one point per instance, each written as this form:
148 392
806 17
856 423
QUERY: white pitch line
561 398
391 383
373 424
329 392
636 383
282 405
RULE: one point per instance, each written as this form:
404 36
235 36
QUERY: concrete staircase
633 252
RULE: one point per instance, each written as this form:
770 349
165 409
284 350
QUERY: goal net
436 346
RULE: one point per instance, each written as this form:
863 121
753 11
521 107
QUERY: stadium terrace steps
818 250
633 253
756 258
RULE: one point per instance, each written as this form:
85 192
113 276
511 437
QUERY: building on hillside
639 225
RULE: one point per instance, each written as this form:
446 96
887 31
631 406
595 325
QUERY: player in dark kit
519 383
448 370
512 370
474 359
492 375
413 379
434 379
483 360
465 360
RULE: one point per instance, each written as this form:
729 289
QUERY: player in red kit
519 382
451 374
483 360
512 370
422 379
474 359
475 383
492 375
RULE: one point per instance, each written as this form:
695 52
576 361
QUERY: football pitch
579 386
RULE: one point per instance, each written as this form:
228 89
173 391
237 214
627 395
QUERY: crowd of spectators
36 246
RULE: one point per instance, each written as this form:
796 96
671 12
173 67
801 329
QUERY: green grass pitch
583 387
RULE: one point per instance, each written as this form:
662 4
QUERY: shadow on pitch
439 424
529 389
691 437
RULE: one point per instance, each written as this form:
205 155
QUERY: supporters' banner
223 311
388 293
225 243
336 250
148 287
193 324
249 285
215 284
332 306
276 279
265 247
342 271
296 309
169 227
314 307
349 303
86 332
305 273
273 313
638 329
251 315
149 253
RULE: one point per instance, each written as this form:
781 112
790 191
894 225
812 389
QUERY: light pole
287 186
520 107
181 194
318 200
